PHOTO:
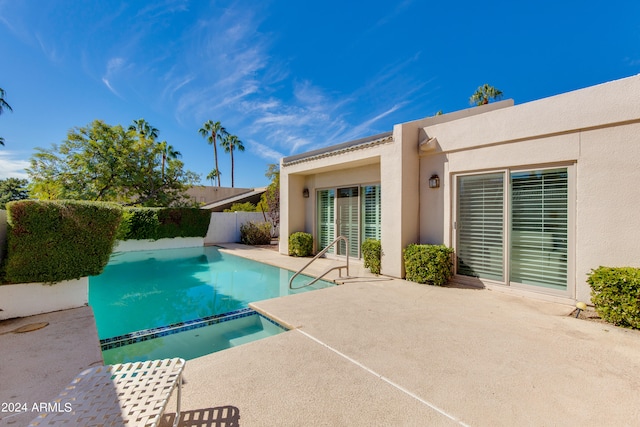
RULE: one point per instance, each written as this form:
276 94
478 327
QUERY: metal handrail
322 252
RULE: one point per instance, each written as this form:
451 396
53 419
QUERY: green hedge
372 254
159 223
139 224
428 264
255 233
51 241
183 222
300 244
615 293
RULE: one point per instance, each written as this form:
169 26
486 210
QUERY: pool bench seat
129 394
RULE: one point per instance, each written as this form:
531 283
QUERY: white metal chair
133 394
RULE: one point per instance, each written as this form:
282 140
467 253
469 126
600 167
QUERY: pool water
191 343
151 290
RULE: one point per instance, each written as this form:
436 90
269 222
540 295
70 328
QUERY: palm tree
231 143
212 131
484 93
213 175
168 152
3 105
144 129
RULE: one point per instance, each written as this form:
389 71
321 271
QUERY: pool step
245 335
192 343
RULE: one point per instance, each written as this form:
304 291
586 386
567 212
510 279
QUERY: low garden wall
224 227
28 299
148 245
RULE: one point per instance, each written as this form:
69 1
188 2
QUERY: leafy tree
230 143
12 189
212 131
242 207
3 105
485 93
213 176
270 201
46 190
106 163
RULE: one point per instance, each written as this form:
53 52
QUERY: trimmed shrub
430 264
159 223
124 229
615 293
142 223
372 254
255 233
51 241
300 244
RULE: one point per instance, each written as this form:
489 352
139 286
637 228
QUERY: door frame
506 259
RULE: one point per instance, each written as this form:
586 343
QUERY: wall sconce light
305 193
434 181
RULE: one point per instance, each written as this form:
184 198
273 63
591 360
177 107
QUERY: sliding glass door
512 227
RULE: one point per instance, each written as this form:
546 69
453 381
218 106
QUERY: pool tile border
148 334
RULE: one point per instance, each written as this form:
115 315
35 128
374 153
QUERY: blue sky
288 76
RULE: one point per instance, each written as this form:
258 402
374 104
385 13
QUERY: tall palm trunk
232 168
215 157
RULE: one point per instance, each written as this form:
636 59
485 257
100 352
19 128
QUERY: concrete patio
375 351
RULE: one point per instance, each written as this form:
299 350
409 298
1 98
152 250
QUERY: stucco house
531 196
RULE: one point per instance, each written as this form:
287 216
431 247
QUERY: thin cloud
264 151
167 7
108 85
114 67
49 51
11 167
366 125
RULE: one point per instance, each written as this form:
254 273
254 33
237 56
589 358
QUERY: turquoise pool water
152 290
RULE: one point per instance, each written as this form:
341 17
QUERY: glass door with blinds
371 209
353 212
512 227
325 219
348 220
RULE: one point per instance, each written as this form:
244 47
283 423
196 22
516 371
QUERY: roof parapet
333 150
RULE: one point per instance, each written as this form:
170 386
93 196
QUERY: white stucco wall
607 224
224 227
147 244
28 299
597 130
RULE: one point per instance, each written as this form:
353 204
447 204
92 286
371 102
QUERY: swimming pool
140 295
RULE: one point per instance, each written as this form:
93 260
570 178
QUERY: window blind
326 219
371 212
539 227
348 220
480 226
